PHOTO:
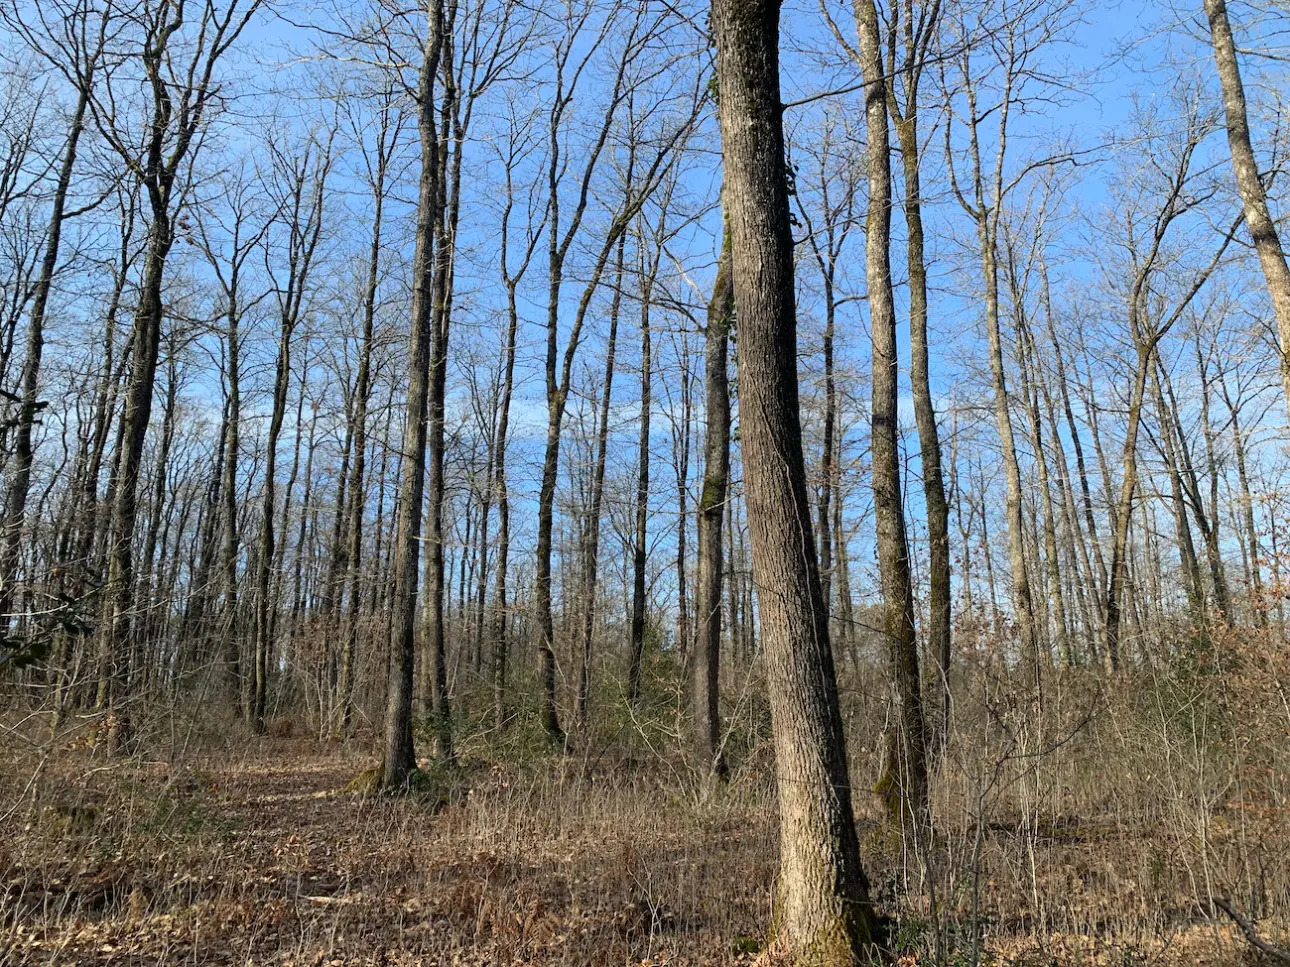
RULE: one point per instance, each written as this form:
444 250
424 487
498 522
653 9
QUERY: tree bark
823 913
399 755
712 503
905 119
640 547
15 499
445 224
591 551
1263 230
904 783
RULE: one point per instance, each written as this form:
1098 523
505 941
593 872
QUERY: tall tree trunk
307 525
19 471
842 560
1258 218
1028 357
558 372
936 506
904 783
399 755
148 586
1081 467
266 549
501 618
445 225
591 550
712 503
681 464
232 644
985 209
1084 586
1022 598
116 639
510 279
824 913
1146 334
640 548
362 400
828 466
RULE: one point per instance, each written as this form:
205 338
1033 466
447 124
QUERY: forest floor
256 854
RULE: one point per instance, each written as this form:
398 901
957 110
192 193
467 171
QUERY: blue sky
1114 58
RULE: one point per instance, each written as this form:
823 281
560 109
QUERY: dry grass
1085 825
258 857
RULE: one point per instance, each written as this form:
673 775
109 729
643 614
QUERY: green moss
366 783
846 939
891 782
712 496
433 785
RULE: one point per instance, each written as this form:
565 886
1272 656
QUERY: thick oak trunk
823 911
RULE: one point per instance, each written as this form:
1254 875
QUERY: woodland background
222 293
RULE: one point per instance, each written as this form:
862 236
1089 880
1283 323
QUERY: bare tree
399 755
572 58
1009 38
303 180
178 77
377 161
74 43
905 780
512 150
824 914
712 504
1177 190
1263 230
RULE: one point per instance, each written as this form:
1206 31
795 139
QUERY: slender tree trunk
681 456
1029 361
640 547
904 783
1258 218
1021 594
937 508
1186 546
445 232
266 550
362 400
842 563
306 526
19 470
828 468
116 639
1258 603
1085 588
148 586
501 618
400 758
1206 520
712 503
1081 467
591 559
232 644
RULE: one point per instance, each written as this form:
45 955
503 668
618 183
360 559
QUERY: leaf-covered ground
258 856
